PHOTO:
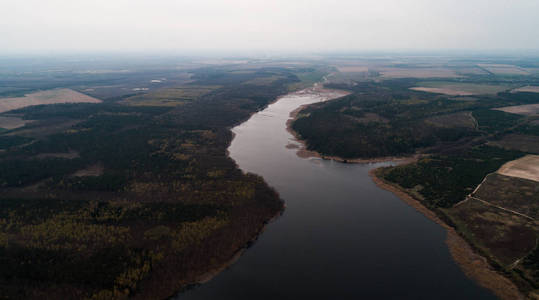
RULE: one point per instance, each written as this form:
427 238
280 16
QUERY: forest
112 200
456 142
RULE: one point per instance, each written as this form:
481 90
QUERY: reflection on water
340 237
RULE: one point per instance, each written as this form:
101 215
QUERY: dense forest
112 200
389 119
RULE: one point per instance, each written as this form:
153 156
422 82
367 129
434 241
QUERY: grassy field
521 142
392 73
503 69
460 119
504 236
459 88
170 96
12 122
527 109
45 97
528 89
518 194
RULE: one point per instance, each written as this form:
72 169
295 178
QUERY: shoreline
303 152
209 275
475 266
218 268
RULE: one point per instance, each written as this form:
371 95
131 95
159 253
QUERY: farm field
517 194
455 120
503 236
503 69
526 167
170 96
528 89
521 142
459 88
12 122
527 109
353 69
45 97
392 73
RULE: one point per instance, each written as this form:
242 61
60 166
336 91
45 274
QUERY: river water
340 237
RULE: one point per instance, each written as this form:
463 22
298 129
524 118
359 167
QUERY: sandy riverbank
472 264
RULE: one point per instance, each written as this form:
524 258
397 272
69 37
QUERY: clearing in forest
459 88
526 167
417 73
45 97
501 69
527 109
170 96
528 89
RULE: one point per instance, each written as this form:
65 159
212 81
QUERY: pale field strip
445 91
459 88
353 69
12 122
526 167
502 69
418 73
45 97
527 109
529 89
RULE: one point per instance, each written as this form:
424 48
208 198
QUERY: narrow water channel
340 237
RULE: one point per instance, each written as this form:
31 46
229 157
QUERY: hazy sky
289 25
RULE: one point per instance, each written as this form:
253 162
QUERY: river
340 236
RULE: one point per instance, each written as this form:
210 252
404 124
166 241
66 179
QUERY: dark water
340 237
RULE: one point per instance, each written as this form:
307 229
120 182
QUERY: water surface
340 237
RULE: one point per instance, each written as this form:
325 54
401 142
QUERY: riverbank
474 265
218 268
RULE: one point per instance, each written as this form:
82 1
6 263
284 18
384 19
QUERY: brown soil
526 167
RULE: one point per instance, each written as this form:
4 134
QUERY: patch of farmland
501 69
459 88
170 96
521 142
471 71
93 171
505 236
529 89
460 119
45 97
417 73
12 122
526 167
263 80
527 109
517 194
353 69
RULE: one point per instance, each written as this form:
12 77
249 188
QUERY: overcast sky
267 25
